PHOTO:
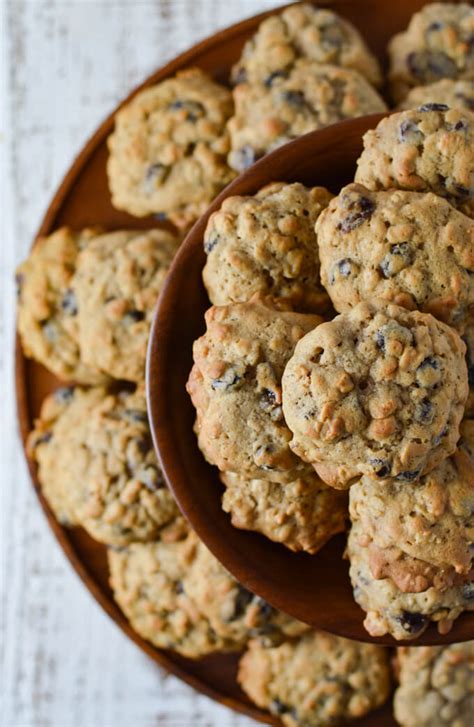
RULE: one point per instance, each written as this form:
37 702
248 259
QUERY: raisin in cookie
147 581
436 686
53 441
430 149
233 612
317 680
309 97
403 615
412 249
302 515
455 94
47 305
266 244
432 522
437 44
235 386
117 282
115 487
303 31
168 150
353 393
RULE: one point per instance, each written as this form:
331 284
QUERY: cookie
168 150
432 522
317 680
303 31
266 244
302 515
412 249
233 612
100 445
455 94
235 386
353 394
47 305
468 339
391 611
430 149
436 686
309 97
437 44
54 439
118 279
147 581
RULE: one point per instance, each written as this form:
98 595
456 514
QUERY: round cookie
468 339
53 441
303 31
354 389
168 150
302 515
121 495
432 522
430 149
391 611
233 612
235 386
101 446
436 686
437 44
266 244
117 283
455 94
309 97
317 680
147 581
47 305
412 249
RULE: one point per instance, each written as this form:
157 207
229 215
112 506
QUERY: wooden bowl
315 589
83 199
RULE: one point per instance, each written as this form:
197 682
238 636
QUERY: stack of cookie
372 400
304 68
294 406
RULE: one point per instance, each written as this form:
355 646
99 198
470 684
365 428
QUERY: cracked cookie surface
235 386
302 515
432 522
430 149
47 305
117 282
147 581
412 249
403 615
266 244
303 31
316 680
354 388
168 150
436 686
309 97
100 445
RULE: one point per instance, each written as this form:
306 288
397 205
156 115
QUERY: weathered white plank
64 65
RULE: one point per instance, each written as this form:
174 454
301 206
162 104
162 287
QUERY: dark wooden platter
83 199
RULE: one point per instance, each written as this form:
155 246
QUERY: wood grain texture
63 66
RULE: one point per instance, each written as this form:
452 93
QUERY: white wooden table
64 66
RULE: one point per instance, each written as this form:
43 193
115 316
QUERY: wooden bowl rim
231 558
